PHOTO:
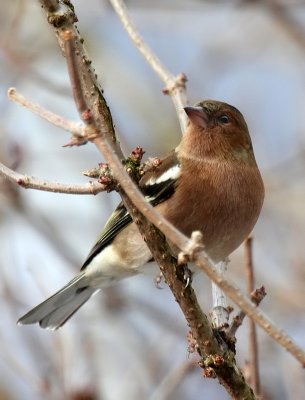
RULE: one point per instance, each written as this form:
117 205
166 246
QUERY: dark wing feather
156 190
158 183
117 221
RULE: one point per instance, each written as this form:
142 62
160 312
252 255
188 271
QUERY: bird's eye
224 119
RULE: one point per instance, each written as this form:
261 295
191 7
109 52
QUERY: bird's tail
57 309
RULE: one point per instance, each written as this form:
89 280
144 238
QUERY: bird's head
217 129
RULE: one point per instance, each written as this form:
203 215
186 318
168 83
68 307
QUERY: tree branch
174 86
253 346
77 129
63 19
29 182
256 297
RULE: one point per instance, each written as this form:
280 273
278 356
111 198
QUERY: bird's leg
220 314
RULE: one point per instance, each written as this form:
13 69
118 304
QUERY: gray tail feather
57 309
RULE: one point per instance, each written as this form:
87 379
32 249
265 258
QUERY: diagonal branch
63 19
256 297
75 128
253 345
174 86
29 182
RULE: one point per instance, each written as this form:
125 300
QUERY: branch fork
176 84
193 247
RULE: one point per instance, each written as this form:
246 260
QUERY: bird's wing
157 185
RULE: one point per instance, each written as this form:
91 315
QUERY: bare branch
256 297
77 129
174 86
253 346
63 21
249 308
29 182
76 84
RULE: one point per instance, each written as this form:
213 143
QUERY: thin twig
256 297
29 182
76 83
77 129
248 307
63 21
174 86
253 345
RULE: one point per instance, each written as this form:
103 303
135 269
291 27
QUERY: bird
209 183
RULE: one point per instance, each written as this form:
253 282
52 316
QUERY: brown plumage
209 183
220 181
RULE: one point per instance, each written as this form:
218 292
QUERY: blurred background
130 341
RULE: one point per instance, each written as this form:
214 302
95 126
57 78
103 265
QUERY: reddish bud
218 359
103 165
86 115
156 162
209 373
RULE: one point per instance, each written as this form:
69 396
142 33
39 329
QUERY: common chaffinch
210 183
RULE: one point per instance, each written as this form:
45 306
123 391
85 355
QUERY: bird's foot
158 280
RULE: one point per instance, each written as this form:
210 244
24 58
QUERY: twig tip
11 92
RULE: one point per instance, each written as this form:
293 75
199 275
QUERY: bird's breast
222 201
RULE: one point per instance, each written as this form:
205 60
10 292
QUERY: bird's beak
197 116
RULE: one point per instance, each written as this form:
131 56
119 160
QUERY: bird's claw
158 280
187 276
